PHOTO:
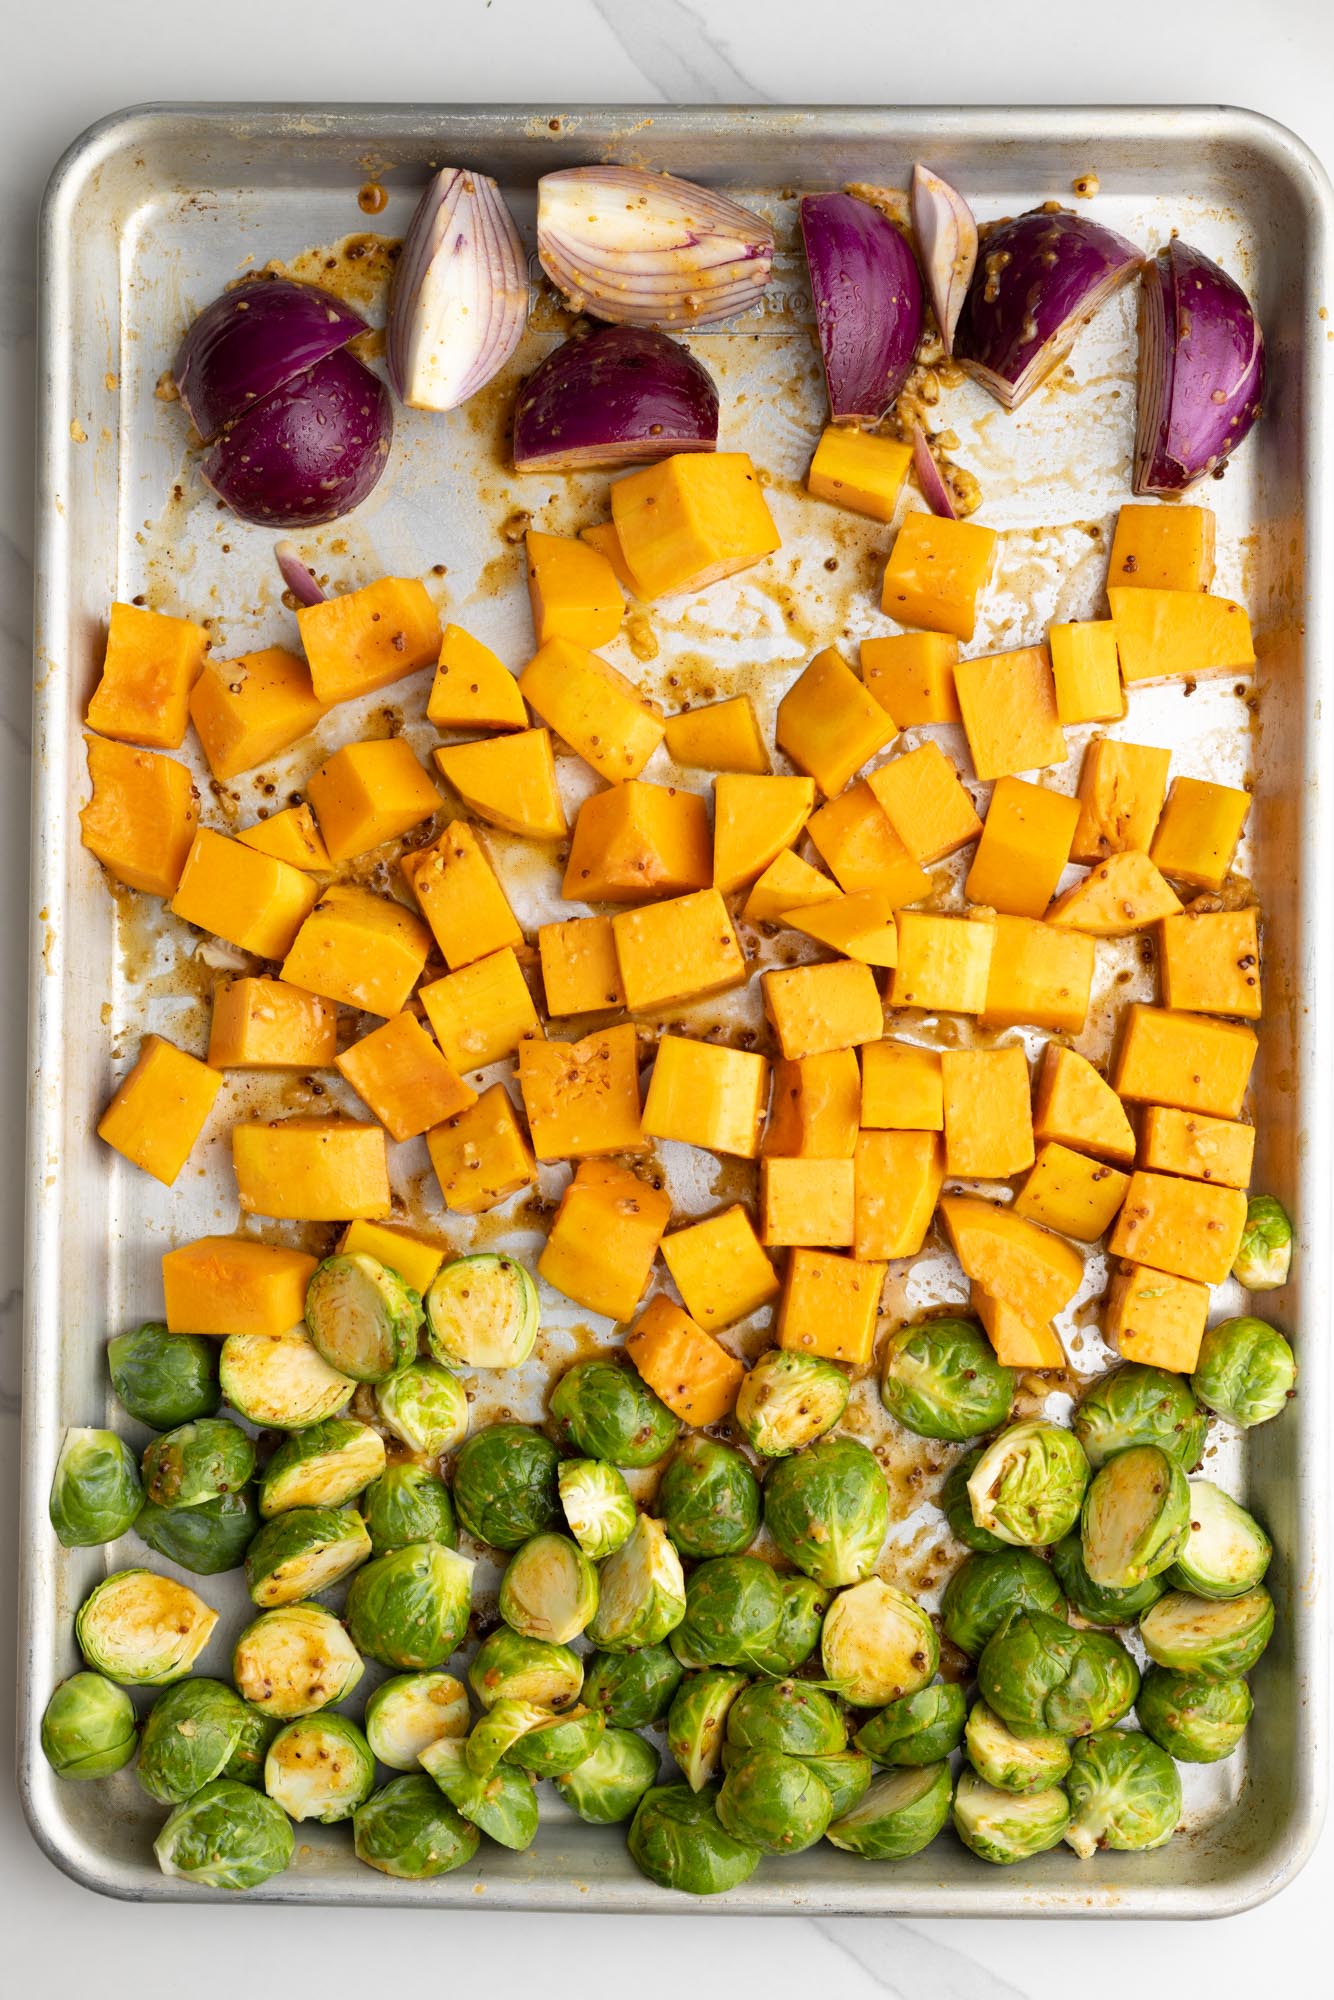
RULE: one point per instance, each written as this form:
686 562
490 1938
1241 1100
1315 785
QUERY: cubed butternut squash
813 1106
160 1109
787 884
684 1366
1203 1149
636 841
1155 1318
702 1094
926 805
808 1202
142 817
911 674
291 836
1008 704
944 962
1077 1107
580 973
818 1008
859 470
269 1024
936 571
460 897
1210 962
754 819
853 835
249 710
678 950
593 708
1197 836
415 1258
359 949
400 1074
691 520
509 781
720 736
311 1169
829 1306
602 536
1121 895
232 1284
247 899
720 1268
1024 847
368 639
988 1120
1178 634
898 1178
1071 1193
1029 1268
1162 548
481 1156
367 793
860 926
473 688
1185 1060
1039 976
1086 672
1018 1342
1121 788
149 667
1185 1227
483 1012
582 1098
829 725
573 591
902 1089
604 1238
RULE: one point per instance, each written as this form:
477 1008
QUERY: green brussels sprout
88 1728
603 1409
189 1736
942 1380
408 1503
505 1484
226 1837
1137 1404
677 1840
1264 1256
246 1762
774 1802
788 1400
508 1667
1245 1372
1096 1603
303 1551
410 1608
1124 1793
1004 1826
804 1605
409 1711
1197 1721
549 1589
1011 1763
324 1466
642 1592
1135 1518
425 1406
164 1379
918 1728
877 1644
499 1730
828 1510
632 1689
481 1312
734 1607
320 1767
410 1831
709 1498
142 1629
559 1743
846 1775
1028 1485
285 1384
363 1318
609 1784
1221 1639
95 1491
900 1813
196 1462
206 1539
793 1716
697 1719
597 1505
503 1805
957 1508
1226 1551
294 1661
1045 1677
984 1590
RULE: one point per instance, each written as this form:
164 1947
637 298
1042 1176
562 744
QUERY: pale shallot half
460 293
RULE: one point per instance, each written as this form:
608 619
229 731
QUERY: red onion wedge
1040 278
460 293
946 244
299 580
309 452
645 249
620 395
1201 370
930 479
868 303
253 340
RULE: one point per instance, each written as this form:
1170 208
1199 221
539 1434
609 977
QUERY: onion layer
254 340
619 395
947 245
930 479
1201 370
868 303
460 293
309 452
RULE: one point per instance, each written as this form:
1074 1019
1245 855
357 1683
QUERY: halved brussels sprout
1264 1256
410 1608
409 1830
788 1400
559 1743
226 1837
677 1840
1028 1485
877 1644
425 1406
320 1767
164 1379
283 1384
957 1508
632 1689
549 1589
1135 1518
196 1462
798 1634
1226 1551
408 1503
900 1813
206 1539
409 1711
1124 1793
1245 1372
733 1610
1196 1720
918 1728
481 1312
303 1551
609 1784
597 1506
697 1720
942 1380
246 1762
1044 1677
642 1592
503 1805
985 1589
828 1510
508 1667
362 1317
1137 1404
846 1776
324 1466
190 1735
505 1484
794 1716
142 1629
774 1802
294 1661
709 1498
88 1728
95 1490
1095 1603
1008 1762
499 1730
603 1409
1222 1639
1008 1826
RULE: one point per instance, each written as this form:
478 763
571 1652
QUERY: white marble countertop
74 61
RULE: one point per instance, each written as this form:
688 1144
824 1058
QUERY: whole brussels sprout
282 1384
1008 1826
88 1728
1264 1255
788 1400
226 1837
603 1409
142 1629
363 1318
733 1609
633 1689
1137 1404
425 1406
957 1508
697 1720
900 1813
409 1711
774 1802
164 1379
794 1716
985 1589
409 1830
709 1499
642 1592
942 1380
918 1728
1222 1639
410 1608
804 1605
189 1736
481 1312
246 1763
877 1644
559 1743
206 1539
610 1783
1196 1720
828 1510
846 1776
319 1767
95 1491
324 1466
1135 1518
505 1484
598 1508
1044 1677
677 1840
408 1503
1095 1602
303 1551
1245 1372
1028 1485
549 1589
508 1667
1226 1551
1124 1793
1008 1762
294 1661
503 1805
196 1462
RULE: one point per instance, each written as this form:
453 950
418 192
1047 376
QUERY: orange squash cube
1162 548
679 950
1197 835
602 536
859 470
902 1088
1121 788
1185 1060
1203 1149
473 689
1008 703
813 1107
1178 634
359 949
369 638
460 897
988 1121
911 674
720 1268
1186 1227
415 1258
160 1109
1024 847
268 1024
232 1284
1210 962
593 708
1072 1194
829 725
860 926
636 841
1156 1318
691 520
481 1013
582 1098
1039 976
754 819
807 1202
150 665
816 1009
787 884
1121 895
398 1071
1076 1107
573 591
853 835
311 1169
247 899
291 836
899 1176
721 736
1086 672
936 571
604 1239
926 805
829 1306
480 1156
580 973
142 816
944 962
368 793
249 710
509 781
702 1094
1019 1343
683 1365
1014 1260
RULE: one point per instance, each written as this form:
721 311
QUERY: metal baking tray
147 216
